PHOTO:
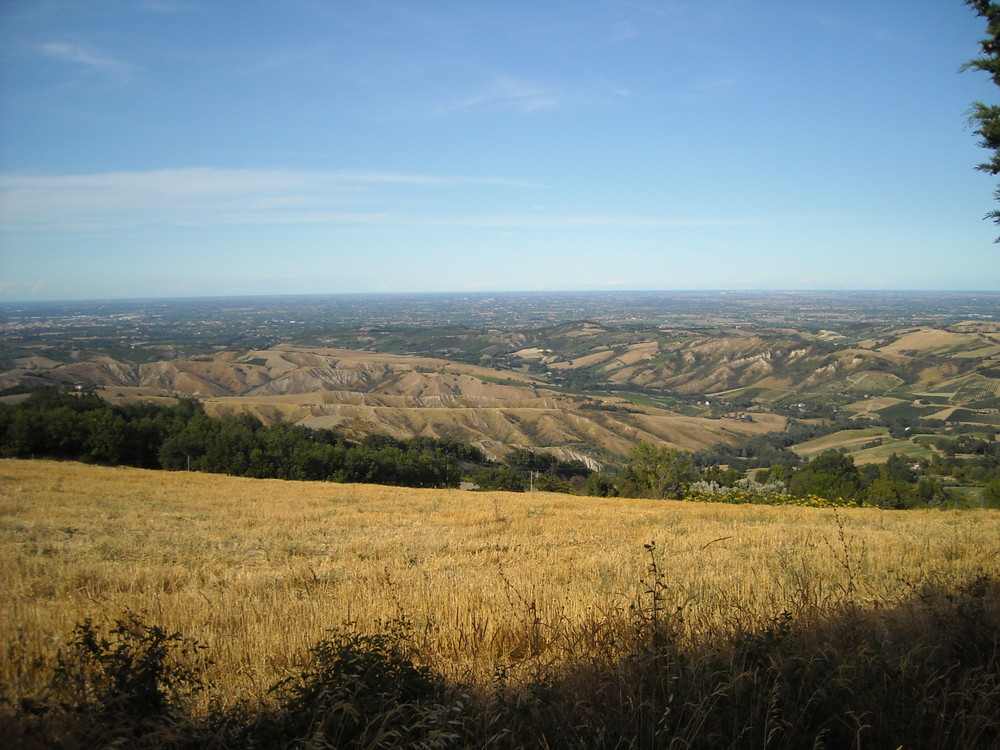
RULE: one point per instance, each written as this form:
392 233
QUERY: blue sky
154 148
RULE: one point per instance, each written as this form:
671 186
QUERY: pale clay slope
360 392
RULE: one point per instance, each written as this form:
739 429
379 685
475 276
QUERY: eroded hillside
359 392
764 366
582 390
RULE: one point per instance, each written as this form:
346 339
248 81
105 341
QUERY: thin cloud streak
585 221
208 196
505 92
167 6
83 55
211 179
512 221
203 197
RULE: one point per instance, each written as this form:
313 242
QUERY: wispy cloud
8 288
706 88
166 6
83 55
583 221
204 197
212 196
504 92
623 31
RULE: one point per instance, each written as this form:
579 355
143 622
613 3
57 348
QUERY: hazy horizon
513 292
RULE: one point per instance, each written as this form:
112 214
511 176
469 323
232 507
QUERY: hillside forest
83 426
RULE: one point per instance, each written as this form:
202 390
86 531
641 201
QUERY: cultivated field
258 570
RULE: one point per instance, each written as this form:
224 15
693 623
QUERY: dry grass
258 570
849 439
942 342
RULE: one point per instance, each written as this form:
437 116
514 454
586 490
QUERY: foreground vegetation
196 610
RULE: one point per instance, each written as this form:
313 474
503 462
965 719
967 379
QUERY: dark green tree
550 483
991 493
186 447
831 475
930 490
524 459
888 493
502 478
724 476
656 472
107 440
986 117
24 433
900 469
601 484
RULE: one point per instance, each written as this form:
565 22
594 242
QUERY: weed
135 671
132 686
848 559
652 613
360 690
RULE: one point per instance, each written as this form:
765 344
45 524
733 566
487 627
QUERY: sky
177 148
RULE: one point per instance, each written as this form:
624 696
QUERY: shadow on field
921 674
924 674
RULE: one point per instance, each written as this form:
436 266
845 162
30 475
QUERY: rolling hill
581 390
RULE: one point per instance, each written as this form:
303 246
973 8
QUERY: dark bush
361 690
135 671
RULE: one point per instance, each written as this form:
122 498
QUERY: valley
685 370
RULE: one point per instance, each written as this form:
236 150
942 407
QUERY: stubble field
258 570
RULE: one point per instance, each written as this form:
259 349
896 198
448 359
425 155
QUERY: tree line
85 427
901 482
662 472
178 436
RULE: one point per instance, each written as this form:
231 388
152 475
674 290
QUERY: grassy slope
844 439
260 568
852 441
560 621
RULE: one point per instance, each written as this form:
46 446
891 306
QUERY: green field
908 411
965 497
851 440
855 442
889 446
